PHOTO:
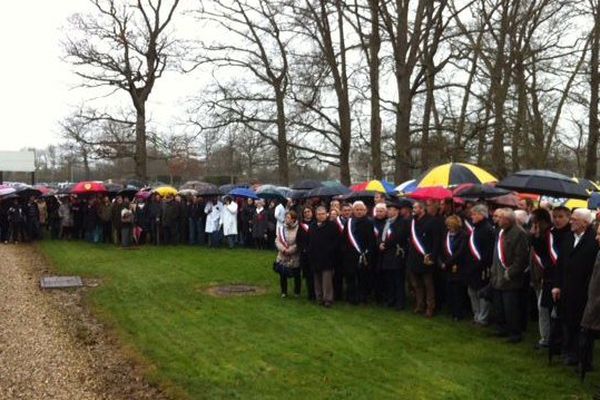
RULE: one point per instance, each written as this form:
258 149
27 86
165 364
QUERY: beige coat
292 259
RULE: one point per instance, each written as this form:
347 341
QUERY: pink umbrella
431 193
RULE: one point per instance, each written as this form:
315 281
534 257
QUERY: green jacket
516 253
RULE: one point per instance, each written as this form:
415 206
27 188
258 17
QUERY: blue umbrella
243 192
594 201
390 188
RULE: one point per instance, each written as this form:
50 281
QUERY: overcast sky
38 89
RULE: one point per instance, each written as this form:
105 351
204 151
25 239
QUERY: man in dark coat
392 246
423 251
357 248
170 220
115 212
511 255
479 261
322 244
338 272
375 277
575 268
154 217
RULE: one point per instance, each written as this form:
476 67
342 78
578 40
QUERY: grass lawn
265 347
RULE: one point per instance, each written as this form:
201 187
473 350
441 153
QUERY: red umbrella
431 193
89 187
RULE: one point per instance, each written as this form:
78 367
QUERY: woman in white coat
229 220
213 209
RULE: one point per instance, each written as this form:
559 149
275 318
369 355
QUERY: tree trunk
140 145
282 148
402 134
374 47
592 144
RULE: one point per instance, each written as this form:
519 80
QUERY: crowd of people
498 266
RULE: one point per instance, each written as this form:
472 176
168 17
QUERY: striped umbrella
454 174
374 186
407 187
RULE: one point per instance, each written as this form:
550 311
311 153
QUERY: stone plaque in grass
235 290
60 282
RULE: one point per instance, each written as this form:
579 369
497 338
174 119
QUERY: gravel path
50 348
38 358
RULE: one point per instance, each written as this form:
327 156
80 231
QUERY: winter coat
229 219
428 230
395 241
516 258
454 258
322 245
259 224
292 257
591 313
480 254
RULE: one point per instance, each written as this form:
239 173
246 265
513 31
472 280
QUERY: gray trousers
480 307
324 286
543 319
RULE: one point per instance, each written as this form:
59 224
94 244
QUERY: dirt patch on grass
235 290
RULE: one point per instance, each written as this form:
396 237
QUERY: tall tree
591 162
125 45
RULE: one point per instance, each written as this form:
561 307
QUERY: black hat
399 203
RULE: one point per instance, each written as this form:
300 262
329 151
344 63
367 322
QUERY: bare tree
591 162
125 46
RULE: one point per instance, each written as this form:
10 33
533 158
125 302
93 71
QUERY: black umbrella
113 188
230 186
27 191
128 192
479 191
306 184
208 190
545 183
327 191
367 197
298 194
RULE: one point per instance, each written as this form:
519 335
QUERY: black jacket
574 272
322 244
478 270
395 241
429 232
362 231
455 258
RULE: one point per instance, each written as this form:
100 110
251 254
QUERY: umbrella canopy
230 186
270 192
508 200
594 201
128 192
454 174
407 187
188 192
143 194
5 191
544 182
587 184
165 191
306 184
332 183
243 192
297 194
431 193
478 191
327 191
575 203
27 191
89 187
367 196
113 188
208 190
45 190
374 186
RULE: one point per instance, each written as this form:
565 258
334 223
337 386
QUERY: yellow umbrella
454 174
576 203
166 191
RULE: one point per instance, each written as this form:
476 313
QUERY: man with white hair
511 253
574 271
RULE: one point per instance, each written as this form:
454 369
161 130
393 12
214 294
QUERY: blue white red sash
551 249
376 232
282 237
340 224
388 233
537 259
351 237
304 226
500 249
414 239
448 245
473 247
469 227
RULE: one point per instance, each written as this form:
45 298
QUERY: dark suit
391 262
355 272
573 277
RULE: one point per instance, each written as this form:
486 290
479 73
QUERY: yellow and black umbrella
454 174
165 191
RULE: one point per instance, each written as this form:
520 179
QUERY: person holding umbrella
510 261
574 272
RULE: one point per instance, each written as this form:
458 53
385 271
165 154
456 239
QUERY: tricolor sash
448 246
340 224
304 226
281 236
414 239
376 232
501 250
552 249
473 246
351 237
468 225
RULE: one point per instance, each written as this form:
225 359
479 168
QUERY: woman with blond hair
453 264
287 263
